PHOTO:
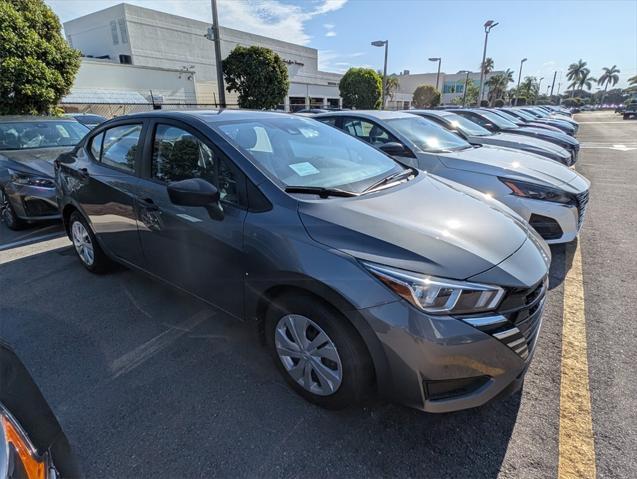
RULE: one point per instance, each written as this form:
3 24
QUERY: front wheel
318 352
7 213
86 246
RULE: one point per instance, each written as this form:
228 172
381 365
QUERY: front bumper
442 364
32 203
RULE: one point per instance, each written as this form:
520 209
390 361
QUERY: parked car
556 119
477 135
550 196
32 443
523 118
89 120
28 146
495 123
630 110
319 236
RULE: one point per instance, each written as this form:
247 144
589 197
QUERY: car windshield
497 120
426 135
532 113
302 152
509 117
466 126
523 114
24 135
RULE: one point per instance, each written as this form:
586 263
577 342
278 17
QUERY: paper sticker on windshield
304 169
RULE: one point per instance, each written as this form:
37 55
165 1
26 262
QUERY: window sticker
62 131
304 169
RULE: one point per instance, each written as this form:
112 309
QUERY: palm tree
498 85
632 80
391 85
487 67
609 76
574 73
585 80
529 89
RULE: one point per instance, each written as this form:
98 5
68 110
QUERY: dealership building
134 52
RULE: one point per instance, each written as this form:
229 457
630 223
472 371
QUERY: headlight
437 295
538 192
22 178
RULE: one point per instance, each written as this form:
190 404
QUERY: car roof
19 118
369 114
438 113
209 116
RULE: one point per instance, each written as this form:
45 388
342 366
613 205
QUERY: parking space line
576 443
20 252
34 239
144 352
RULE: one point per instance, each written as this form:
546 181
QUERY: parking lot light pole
539 86
439 60
466 82
488 25
519 78
213 34
383 43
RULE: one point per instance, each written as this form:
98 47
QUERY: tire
626 117
86 246
9 217
340 351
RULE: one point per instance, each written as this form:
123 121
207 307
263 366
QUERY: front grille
582 201
520 316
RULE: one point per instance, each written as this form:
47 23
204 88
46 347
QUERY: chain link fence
111 110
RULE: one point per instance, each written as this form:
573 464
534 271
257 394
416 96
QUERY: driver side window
179 155
368 131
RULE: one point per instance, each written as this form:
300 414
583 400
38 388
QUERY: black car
496 123
28 147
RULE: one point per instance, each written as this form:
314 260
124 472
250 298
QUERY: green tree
391 85
258 75
426 96
586 80
498 85
632 80
529 89
37 66
609 77
471 97
575 72
487 66
361 88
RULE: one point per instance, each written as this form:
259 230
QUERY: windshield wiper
319 190
395 177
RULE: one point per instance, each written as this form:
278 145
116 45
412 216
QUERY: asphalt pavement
149 382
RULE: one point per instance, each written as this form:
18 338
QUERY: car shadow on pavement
561 261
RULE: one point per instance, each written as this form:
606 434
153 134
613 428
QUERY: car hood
511 163
513 139
550 134
35 161
427 225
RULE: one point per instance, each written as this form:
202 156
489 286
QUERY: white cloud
329 26
271 18
331 33
331 61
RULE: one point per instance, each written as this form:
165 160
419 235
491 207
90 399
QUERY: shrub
426 96
361 88
499 103
258 75
37 66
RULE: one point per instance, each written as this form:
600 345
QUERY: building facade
450 85
132 35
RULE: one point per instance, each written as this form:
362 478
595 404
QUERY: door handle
83 173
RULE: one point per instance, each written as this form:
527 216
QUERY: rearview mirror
394 148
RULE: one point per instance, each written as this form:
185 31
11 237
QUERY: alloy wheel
82 242
308 354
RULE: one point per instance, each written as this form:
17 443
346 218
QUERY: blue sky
551 34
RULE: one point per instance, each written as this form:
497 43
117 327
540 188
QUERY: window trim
147 159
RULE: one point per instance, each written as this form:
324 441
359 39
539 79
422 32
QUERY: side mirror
394 148
193 192
196 192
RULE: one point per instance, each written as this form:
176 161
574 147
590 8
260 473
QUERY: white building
451 86
132 35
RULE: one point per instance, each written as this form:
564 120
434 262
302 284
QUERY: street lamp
466 82
488 25
383 43
519 78
439 60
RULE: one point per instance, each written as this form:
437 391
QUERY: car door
103 179
184 245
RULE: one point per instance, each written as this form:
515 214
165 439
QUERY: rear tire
86 246
9 217
318 351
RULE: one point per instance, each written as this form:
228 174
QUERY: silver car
550 196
